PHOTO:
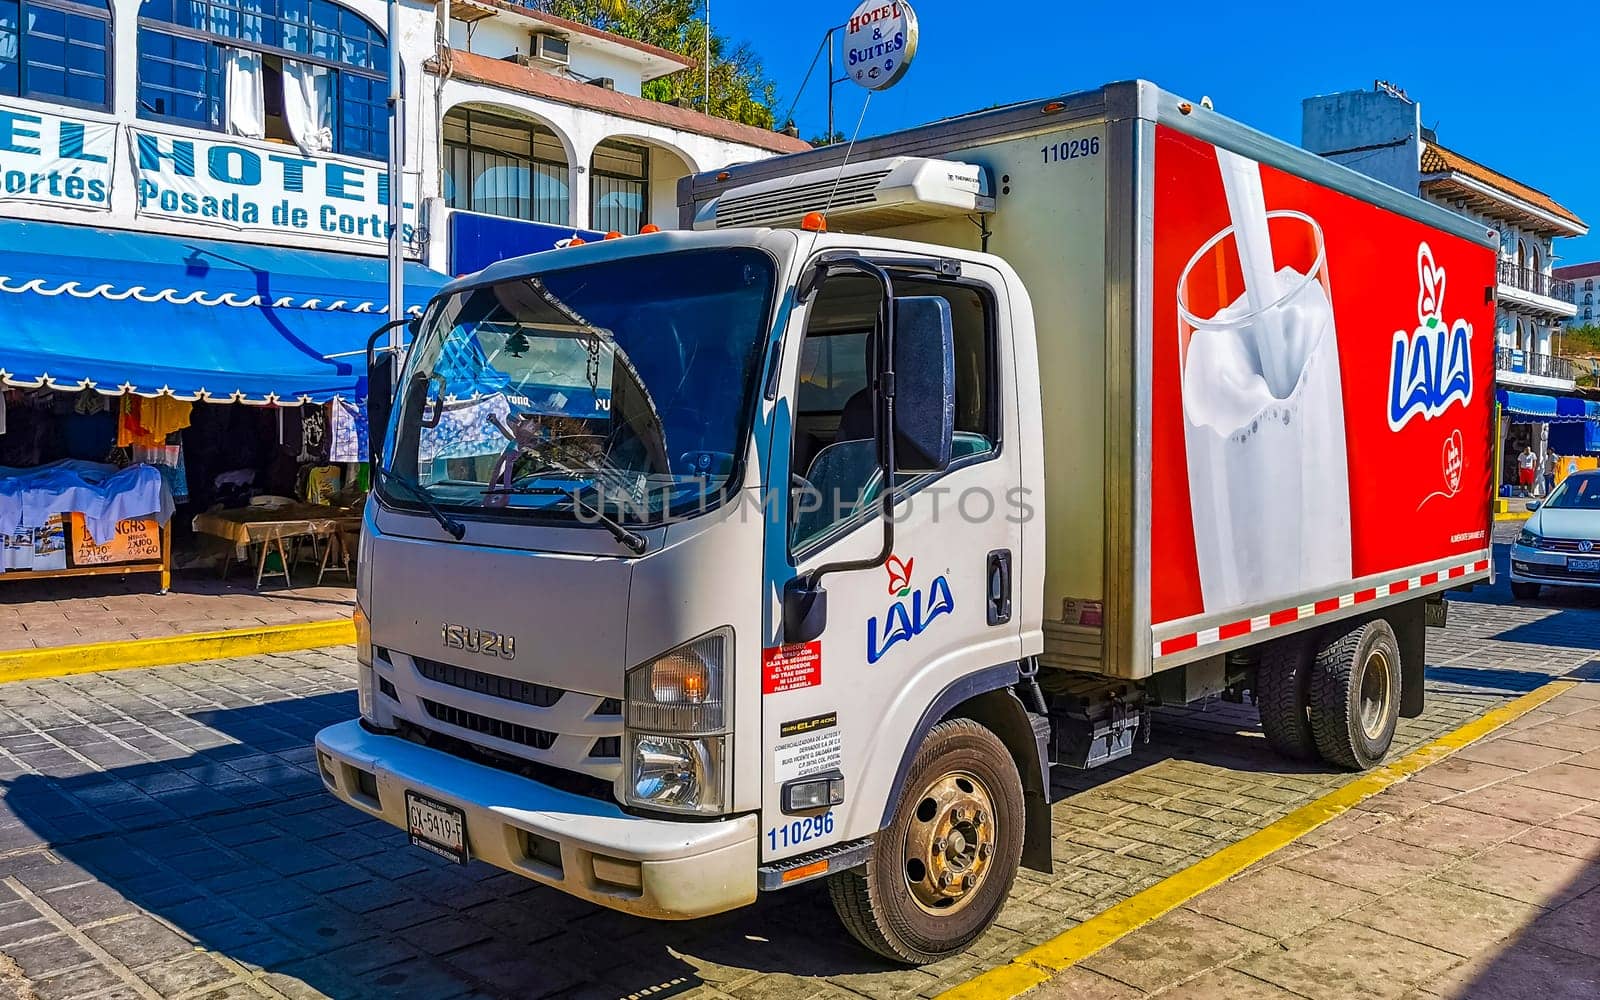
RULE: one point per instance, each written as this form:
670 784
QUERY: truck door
940 609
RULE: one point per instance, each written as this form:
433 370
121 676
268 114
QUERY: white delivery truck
705 563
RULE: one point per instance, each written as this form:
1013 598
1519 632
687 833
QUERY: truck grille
467 679
498 728
495 686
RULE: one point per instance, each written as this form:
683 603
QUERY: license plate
436 827
1583 565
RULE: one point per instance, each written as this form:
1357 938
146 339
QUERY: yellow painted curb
1522 516
1039 964
58 661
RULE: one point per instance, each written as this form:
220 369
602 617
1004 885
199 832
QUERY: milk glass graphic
1263 409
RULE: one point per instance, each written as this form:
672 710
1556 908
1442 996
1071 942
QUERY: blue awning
197 319
1539 408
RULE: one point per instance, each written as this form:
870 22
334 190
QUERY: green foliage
740 90
1581 341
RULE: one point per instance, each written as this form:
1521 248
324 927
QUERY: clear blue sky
1503 83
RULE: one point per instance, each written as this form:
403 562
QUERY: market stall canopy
196 319
1537 408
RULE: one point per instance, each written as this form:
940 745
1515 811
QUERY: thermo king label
813 753
789 668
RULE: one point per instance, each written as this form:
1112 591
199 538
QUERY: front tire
1355 695
941 870
1524 591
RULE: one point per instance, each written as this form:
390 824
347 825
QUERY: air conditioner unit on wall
872 194
552 49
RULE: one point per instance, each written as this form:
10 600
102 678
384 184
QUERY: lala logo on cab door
1432 365
901 623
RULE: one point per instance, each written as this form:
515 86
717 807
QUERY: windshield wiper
621 532
455 529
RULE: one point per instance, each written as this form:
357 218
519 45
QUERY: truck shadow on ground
230 839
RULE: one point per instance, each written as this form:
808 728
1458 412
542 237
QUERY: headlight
672 773
1528 538
676 712
363 637
366 683
684 692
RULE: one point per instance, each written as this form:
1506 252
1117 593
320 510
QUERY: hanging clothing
162 416
129 429
313 434
149 421
245 95
168 460
90 402
308 105
349 437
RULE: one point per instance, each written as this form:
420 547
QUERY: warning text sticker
789 668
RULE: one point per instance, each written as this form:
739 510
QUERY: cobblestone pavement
1477 880
164 833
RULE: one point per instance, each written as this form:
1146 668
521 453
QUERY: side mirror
924 384
380 401
1533 505
381 368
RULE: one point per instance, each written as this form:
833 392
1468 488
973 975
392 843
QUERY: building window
505 166
56 51
307 72
619 187
1588 284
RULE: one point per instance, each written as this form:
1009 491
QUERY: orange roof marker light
576 241
613 235
814 222
649 227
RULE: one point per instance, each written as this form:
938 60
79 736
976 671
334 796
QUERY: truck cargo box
1221 465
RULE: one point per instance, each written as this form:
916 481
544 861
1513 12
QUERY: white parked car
1560 544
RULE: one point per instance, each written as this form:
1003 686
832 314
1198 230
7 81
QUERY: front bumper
665 869
1531 565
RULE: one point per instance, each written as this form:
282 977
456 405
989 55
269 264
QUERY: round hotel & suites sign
880 40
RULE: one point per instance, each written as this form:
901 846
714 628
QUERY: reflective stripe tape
1287 616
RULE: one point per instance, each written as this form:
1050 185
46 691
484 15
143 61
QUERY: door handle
999 586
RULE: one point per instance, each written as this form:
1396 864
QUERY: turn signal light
814 222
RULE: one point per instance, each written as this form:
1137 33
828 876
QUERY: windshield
621 389
1576 492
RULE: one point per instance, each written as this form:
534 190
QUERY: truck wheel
1524 591
941 870
1283 695
1355 695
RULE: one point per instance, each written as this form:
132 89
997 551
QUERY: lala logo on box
1432 365
901 623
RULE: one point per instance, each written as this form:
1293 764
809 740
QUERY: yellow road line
57 661
1039 964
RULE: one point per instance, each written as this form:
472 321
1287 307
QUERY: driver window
834 461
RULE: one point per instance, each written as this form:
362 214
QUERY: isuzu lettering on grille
479 640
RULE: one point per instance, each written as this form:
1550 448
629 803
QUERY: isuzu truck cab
803 543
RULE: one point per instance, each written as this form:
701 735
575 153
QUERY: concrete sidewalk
1477 879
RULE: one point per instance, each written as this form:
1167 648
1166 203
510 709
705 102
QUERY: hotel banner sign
263 188
55 159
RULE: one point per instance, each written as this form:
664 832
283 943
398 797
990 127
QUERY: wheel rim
1375 694
950 842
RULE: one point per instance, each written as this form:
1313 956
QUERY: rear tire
1283 696
1355 695
941 870
1524 591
